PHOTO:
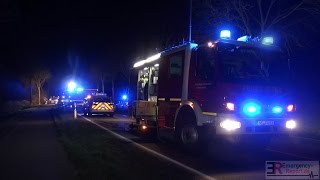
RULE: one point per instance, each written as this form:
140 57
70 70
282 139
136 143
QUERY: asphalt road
29 148
222 161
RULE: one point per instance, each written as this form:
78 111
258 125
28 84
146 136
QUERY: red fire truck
229 87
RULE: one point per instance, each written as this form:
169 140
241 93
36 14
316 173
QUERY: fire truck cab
231 88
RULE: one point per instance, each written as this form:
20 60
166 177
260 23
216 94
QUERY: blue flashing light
244 38
267 40
225 34
277 109
251 109
124 97
79 89
71 86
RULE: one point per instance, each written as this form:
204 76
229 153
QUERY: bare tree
100 74
38 79
27 83
261 17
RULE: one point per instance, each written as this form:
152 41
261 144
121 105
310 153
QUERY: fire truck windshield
252 65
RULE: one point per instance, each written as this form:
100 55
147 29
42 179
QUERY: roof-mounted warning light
244 38
225 34
267 40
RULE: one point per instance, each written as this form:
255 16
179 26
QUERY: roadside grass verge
309 120
96 154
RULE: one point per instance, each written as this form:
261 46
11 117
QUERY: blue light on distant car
124 97
251 109
79 89
277 109
71 86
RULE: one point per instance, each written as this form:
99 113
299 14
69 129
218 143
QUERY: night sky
55 32
69 37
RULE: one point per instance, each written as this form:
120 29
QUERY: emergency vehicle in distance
98 103
229 88
70 99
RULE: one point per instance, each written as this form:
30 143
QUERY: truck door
203 74
170 87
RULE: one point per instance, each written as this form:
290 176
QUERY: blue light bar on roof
244 38
267 40
225 34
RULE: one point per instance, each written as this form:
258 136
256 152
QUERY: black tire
189 138
111 114
189 134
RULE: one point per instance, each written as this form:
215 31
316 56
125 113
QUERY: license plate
265 123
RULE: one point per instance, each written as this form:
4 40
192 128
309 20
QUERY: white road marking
290 154
116 120
188 168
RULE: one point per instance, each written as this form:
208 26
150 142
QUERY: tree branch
262 22
237 7
268 13
286 14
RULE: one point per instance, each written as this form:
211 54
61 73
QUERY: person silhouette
145 90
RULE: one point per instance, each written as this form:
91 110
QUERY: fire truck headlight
291 124
230 125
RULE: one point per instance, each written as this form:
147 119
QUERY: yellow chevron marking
102 106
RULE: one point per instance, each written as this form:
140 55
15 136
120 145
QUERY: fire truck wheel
192 139
189 134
